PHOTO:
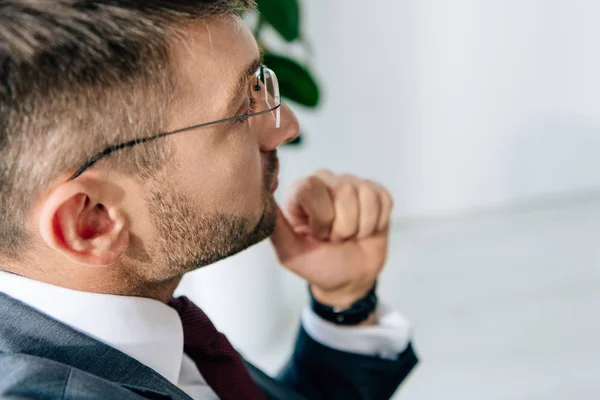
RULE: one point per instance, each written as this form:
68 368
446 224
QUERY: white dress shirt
151 331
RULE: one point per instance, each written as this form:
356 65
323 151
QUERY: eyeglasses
266 82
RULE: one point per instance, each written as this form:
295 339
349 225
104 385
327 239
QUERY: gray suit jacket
41 358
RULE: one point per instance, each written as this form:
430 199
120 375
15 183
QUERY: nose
289 130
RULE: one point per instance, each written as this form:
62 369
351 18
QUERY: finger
310 206
370 209
325 175
387 204
346 204
347 211
286 242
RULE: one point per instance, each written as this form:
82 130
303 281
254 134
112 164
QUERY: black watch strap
358 312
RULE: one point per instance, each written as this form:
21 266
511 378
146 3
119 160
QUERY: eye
251 109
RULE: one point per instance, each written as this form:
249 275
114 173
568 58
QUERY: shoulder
24 376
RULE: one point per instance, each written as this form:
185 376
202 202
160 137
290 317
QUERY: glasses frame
262 70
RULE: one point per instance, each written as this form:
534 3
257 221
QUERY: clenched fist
333 232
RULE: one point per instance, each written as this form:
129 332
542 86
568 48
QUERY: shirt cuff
388 338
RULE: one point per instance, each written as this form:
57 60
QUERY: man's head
77 77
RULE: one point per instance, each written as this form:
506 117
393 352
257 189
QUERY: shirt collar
145 329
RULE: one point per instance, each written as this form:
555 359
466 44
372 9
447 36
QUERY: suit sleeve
320 372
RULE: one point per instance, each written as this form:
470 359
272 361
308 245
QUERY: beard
188 240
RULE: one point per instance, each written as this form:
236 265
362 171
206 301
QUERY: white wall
456 105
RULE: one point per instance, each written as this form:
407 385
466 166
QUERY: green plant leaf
296 142
283 15
296 83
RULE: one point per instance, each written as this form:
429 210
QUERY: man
138 142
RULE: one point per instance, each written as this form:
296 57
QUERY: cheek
237 180
222 176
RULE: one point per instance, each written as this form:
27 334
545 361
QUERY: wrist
340 298
350 308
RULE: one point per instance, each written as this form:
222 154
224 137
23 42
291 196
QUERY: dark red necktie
218 362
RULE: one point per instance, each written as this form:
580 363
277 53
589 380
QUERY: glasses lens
270 85
270 81
272 97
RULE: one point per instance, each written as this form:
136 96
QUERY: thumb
286 242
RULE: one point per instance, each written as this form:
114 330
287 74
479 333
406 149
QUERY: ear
79 220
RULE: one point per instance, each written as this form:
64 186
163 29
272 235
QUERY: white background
456 105
483 119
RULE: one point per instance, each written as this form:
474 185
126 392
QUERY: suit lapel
28 331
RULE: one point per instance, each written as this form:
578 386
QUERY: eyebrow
242 82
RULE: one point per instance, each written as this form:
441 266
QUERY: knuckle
348 177
344 188
367 192
309 184
322 172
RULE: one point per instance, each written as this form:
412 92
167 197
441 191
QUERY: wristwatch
358 312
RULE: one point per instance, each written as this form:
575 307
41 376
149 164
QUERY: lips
274 185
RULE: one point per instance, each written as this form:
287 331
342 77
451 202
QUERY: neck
102 280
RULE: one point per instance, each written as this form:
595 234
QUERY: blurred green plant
296 82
